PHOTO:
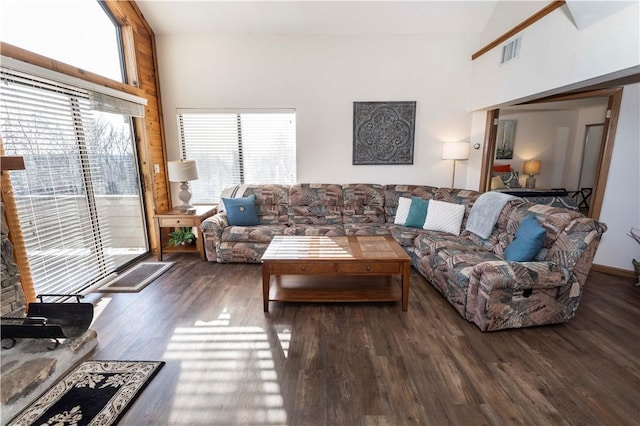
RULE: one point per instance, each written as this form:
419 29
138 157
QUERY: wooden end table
178 218
335 269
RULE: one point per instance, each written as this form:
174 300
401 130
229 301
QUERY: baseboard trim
613 271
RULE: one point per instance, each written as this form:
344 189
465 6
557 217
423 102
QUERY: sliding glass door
79 199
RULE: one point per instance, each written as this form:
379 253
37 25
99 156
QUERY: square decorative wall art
505 139
383 132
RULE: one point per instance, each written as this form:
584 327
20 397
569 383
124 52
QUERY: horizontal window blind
51 125
237 147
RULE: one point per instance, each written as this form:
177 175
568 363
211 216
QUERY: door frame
614 96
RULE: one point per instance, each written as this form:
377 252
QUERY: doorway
612 97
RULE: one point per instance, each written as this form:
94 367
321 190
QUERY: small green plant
181 236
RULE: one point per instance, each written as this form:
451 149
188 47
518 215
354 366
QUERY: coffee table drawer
302 269
370 268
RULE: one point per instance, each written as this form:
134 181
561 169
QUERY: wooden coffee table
335 269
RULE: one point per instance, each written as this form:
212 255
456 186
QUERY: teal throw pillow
417 213
528 241
241 211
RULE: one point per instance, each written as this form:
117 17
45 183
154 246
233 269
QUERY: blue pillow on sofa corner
241 211
528 241
417 213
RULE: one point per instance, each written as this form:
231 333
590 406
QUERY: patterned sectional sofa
469 271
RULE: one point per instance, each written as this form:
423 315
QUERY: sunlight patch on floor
227 374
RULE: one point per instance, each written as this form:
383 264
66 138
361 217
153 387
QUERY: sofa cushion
363 203
260 233
272 202
366 229
444 217
393 192
315 204
241 211
402 212
315 230
527 242
417 213
465 197
553 219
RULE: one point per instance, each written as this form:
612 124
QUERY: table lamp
455 151
183 171
531 168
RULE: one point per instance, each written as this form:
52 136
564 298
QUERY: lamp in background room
531 168
455 151
183 171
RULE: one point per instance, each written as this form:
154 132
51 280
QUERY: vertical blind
62 217
238 147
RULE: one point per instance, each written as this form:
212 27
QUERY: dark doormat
96 392
137 278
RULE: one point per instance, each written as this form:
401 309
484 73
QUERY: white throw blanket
485 211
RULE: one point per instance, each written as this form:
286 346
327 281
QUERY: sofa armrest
215 224
493 275
505 294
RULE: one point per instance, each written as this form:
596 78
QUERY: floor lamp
455 151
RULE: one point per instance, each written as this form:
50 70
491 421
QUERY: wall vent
511 50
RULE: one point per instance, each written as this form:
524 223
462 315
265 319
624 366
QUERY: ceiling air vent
511 50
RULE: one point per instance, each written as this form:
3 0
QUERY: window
79 33
78 199
236 147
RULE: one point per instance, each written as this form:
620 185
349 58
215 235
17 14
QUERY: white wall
321 77
621 204
555 54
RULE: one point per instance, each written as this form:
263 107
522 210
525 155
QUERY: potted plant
181 237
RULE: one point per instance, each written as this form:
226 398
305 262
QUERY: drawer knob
302 268
368 267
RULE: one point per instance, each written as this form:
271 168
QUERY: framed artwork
383 132
505 139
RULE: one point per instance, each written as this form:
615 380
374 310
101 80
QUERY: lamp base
531 182
185 197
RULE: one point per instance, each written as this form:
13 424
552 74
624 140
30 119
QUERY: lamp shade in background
532 168
455 151
182 170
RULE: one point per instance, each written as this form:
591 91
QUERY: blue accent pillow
241 211
528 241
417 213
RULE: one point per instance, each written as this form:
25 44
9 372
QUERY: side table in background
178 218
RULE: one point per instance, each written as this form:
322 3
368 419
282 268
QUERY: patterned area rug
137 278
96 392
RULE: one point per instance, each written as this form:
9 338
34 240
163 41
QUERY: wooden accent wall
139 55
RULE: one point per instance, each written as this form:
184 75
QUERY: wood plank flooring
230 363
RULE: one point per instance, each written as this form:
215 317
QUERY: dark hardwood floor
227 362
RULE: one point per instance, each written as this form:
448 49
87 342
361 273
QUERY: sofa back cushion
499 234
272 201
393 192
465 197
553 219
315 204
363 203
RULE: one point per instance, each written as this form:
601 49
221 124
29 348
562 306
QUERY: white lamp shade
182 170
455 151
